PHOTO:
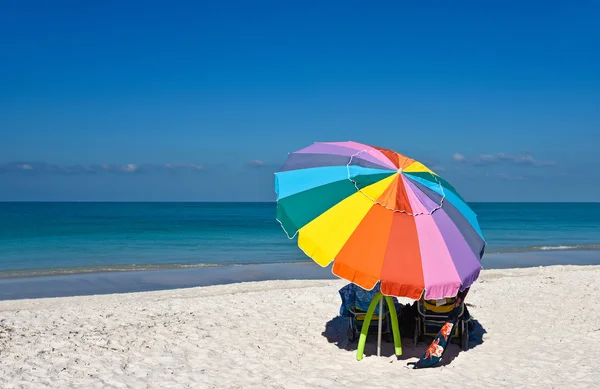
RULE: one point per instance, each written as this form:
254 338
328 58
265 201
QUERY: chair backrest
438 306
356 299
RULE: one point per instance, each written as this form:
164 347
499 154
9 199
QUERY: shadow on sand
335 333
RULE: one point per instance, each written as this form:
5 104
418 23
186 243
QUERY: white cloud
130 168
190 166
257 163
489 159
458 157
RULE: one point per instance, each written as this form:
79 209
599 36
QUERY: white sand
542 330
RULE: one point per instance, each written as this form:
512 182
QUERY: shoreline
86 284
74 271
136 280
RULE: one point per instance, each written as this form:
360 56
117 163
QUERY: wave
98 269
545 248
124 268
576 247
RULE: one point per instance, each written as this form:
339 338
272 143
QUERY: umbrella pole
379 333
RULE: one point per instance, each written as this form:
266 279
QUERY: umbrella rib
284 230
440 205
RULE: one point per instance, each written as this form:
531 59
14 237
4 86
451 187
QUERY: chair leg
416 332
350 333
464 336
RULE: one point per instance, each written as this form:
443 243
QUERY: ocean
70 238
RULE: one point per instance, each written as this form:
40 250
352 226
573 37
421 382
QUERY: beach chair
432 314
362 308
355 303
357 319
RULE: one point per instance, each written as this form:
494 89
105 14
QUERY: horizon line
257 202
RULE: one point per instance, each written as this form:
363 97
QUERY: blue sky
170 101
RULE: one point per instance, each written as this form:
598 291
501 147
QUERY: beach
535 327
217 195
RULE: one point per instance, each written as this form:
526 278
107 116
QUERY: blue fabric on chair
355 297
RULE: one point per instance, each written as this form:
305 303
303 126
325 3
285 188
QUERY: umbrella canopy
379 216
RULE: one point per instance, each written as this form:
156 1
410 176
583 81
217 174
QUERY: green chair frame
365 328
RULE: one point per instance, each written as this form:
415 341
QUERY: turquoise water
54 238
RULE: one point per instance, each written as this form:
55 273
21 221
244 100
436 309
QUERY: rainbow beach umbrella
379 216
